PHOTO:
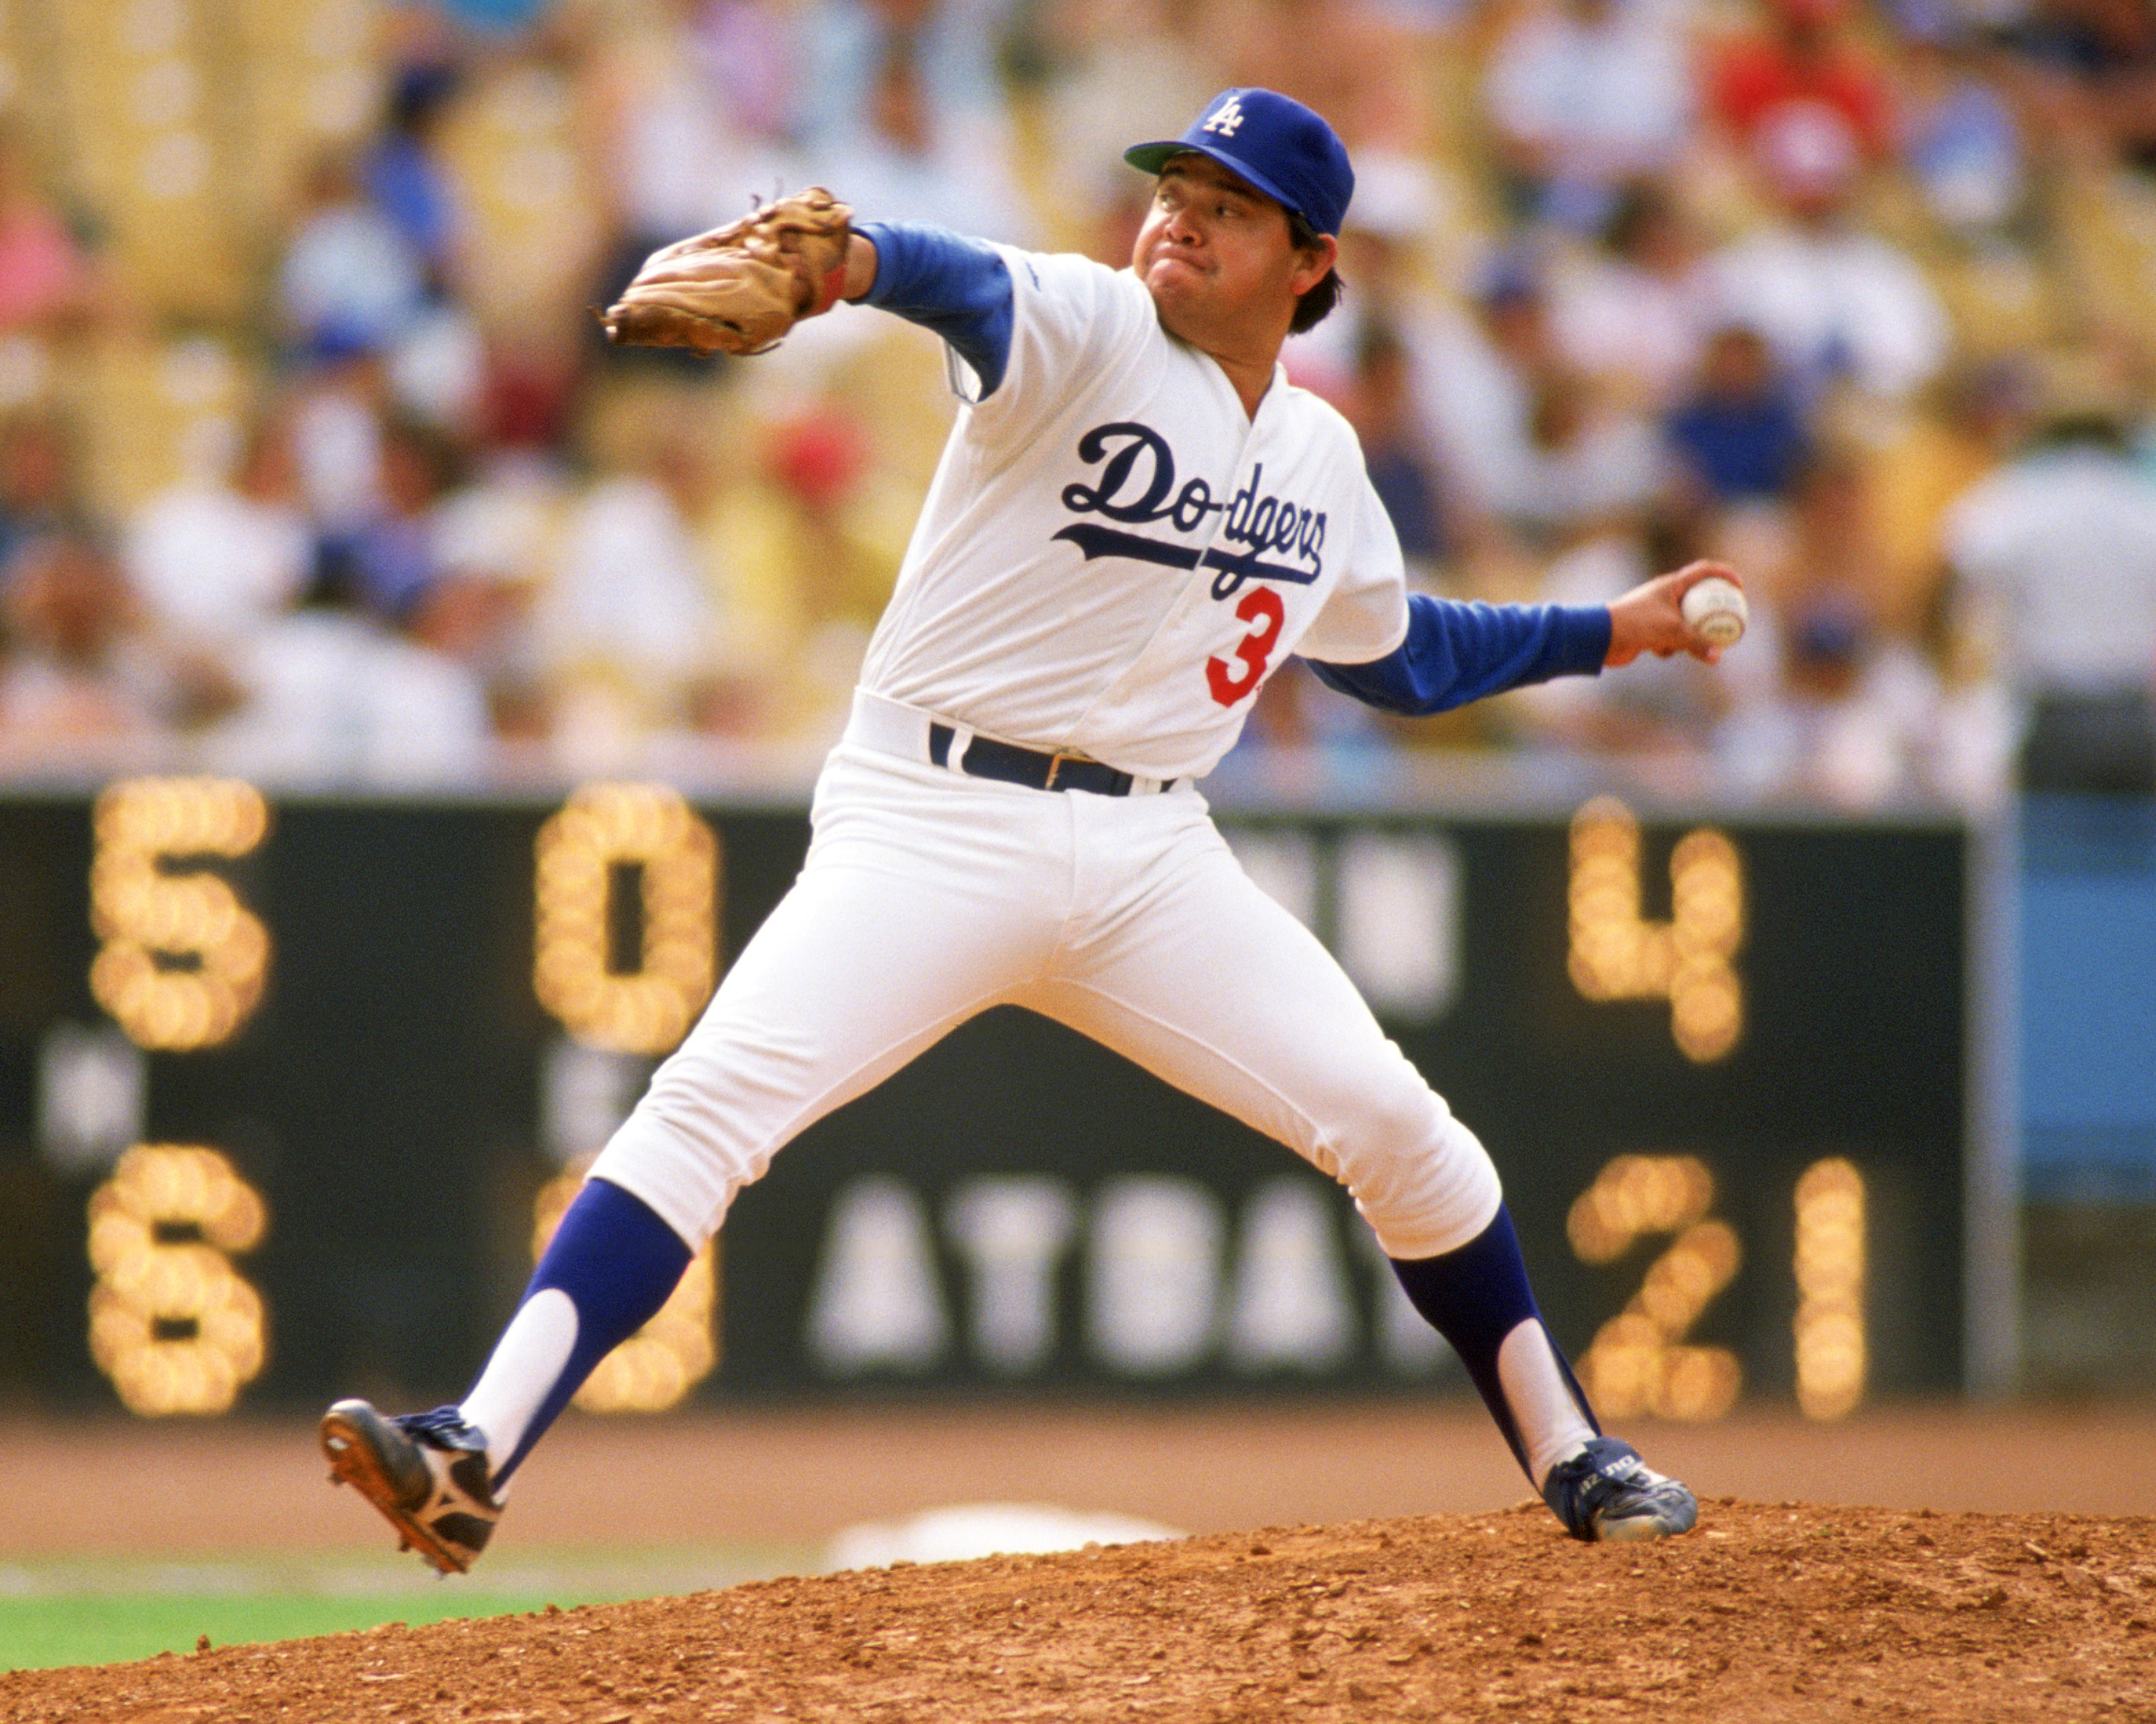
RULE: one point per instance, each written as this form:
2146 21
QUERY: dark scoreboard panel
287 1086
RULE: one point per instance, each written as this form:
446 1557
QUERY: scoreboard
292 1088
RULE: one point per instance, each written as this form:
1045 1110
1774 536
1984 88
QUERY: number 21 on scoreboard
1640 1360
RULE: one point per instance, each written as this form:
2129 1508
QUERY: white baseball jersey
1114 556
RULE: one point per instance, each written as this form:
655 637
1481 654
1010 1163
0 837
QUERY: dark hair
1638 206
2092 427
1378 344
1315 303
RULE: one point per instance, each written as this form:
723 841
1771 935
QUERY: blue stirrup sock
611 1265
1478 1298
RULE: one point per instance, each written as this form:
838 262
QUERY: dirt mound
1764 1613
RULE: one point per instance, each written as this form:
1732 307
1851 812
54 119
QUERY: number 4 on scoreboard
1617 954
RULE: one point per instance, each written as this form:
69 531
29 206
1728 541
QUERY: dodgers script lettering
1136 486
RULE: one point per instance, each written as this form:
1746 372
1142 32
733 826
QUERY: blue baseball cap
1283 149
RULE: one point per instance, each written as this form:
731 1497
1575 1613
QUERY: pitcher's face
1216 255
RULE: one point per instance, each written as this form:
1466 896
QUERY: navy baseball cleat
426 1472
1607 1493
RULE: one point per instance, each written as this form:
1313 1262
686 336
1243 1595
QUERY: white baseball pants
928 896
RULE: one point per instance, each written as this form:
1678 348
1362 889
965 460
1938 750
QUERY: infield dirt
1767 1612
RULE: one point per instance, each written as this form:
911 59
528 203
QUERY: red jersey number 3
1260 607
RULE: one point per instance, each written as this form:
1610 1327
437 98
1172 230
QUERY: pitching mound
1763 1614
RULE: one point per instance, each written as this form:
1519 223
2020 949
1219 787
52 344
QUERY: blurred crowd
1856 297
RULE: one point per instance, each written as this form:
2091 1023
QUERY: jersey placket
1199 588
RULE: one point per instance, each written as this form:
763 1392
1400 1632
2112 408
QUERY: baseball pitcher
1136 520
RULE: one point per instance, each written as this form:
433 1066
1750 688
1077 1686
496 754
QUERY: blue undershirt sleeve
958 287
1455 653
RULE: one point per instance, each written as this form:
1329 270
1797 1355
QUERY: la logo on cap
1228 119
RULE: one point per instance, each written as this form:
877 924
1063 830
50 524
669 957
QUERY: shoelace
1592 1481
445 1428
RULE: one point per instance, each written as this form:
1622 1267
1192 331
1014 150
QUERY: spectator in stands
1837 569
690 105
492 541
38 478
474 621
1666 714
1802 90
497 524
388 561
2055 555
909 159
625 626
336 415
1975 420
78 670
350 282
402 174
1961 140
1828 647
818 461
1636 311
45 276
1477 378
1841 304
1116 67
2087 70
331 696
1740 436
213 562
439 373
953 44
1380 405
1585 95
529 391
1863 713
1831 717
1967 745
809 601
1591 462
1360 63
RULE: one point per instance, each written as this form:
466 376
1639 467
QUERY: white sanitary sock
527 1363
1550 1422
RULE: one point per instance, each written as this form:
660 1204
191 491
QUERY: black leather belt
988 758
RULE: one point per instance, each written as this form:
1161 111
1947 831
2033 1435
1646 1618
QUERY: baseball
1714 610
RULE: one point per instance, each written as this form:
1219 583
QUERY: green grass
79 1628
90 1612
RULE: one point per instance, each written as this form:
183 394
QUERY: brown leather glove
738 289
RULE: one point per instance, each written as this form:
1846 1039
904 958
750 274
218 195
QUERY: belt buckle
1055 765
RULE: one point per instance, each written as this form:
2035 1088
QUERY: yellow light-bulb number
1639 1362
656 1367
586 853
1831 1344
183 961
171 1323
1617 954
